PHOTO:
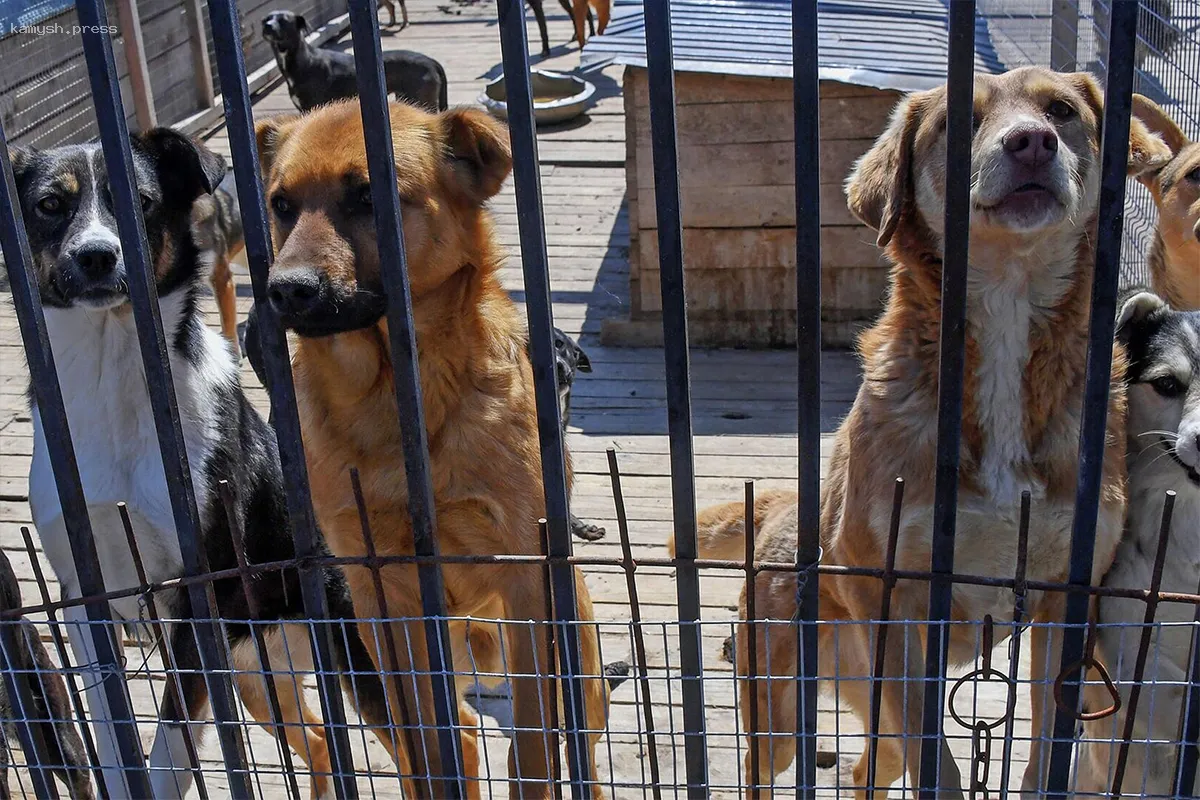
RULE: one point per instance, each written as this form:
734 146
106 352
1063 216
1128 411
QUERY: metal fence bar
1064 35
750 632
1092 439
47 394
660 71
1189 736
377 129
239 119
635 617
539 311
806 95
114 137
959 133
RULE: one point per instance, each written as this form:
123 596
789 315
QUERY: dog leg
171 770
539 12
365 686
579 10
222 282
288 651
79 631
770 740
1045 655
603 10
403 15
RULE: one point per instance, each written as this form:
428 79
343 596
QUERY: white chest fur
116 445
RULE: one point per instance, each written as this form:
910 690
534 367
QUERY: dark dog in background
569 358
316 75
217 231
65 755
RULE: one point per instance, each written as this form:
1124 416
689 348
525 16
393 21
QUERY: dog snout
294 292
97 261
1031 145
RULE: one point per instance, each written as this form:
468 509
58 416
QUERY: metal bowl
557 97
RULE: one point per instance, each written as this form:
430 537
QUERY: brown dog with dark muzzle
476 382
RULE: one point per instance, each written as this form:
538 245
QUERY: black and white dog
1163 433
317 75
83 283
569 358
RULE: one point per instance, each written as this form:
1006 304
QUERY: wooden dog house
734 118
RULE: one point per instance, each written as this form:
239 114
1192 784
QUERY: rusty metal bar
885 612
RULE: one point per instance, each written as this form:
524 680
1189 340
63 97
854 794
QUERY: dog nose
1031 145
97 260
294 292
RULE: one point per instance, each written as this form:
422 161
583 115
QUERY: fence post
1064 35
201 65
135 60
960 93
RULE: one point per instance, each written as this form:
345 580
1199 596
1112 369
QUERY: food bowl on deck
556 97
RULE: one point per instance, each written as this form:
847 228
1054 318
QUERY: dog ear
269 134
477 152
1134 310
881 181
1158 122
186 168
21 158
583 363
302 23
1147 152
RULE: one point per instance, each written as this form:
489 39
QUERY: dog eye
1194 175
1060 110
147 202
281 205
364 196
50 205
1168 386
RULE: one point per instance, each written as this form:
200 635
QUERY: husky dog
1164 455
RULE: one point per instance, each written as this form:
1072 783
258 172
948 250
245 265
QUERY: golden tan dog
476 382
1175 253
1034 196
579 14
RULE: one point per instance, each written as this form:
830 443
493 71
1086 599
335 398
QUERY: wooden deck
744 406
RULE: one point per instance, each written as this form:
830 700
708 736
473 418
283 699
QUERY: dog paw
617 673
587 531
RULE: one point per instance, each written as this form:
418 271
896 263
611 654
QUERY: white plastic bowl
557 97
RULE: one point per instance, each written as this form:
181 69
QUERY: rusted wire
389 639
1139 668
885 610
160 635
750 633
1088 662
635 611
236 535
551 671
1020 592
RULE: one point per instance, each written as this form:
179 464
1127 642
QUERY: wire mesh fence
446 671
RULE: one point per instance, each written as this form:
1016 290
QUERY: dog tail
721 529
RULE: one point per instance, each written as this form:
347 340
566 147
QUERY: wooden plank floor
745 425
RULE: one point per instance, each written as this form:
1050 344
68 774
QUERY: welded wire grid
1074 35
657 737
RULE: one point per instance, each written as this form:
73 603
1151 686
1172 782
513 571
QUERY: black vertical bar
806 90
114 138
1189 736
660 71
1064 35
377 128
535 264
750 631
1114 147
235 94
960 92
53 415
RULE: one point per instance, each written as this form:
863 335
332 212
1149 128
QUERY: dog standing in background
1174 258
317 75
